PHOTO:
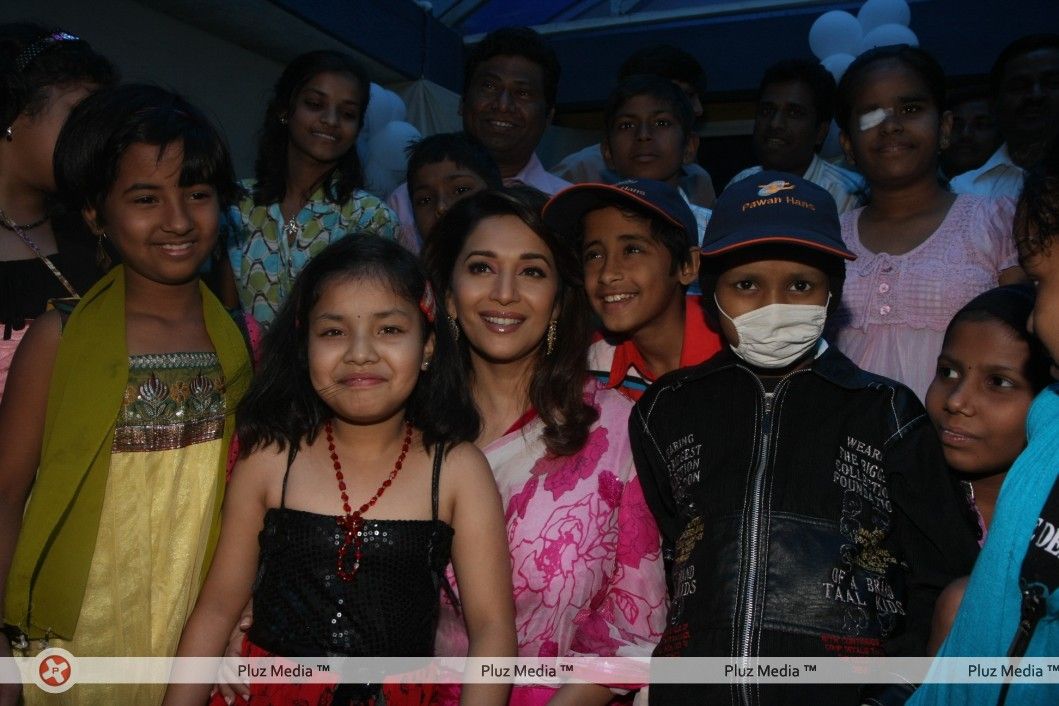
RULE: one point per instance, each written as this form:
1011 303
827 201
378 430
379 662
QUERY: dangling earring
944 144
7 134
549 338
454 327
425 366
283 120
103 261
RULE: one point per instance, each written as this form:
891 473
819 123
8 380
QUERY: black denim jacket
817 519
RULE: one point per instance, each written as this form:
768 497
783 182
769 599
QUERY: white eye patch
874 118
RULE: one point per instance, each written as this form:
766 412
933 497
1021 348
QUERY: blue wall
396 33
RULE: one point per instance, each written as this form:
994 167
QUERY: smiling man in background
1025 85
794 109
511 79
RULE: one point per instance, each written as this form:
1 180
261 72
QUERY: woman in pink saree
585 552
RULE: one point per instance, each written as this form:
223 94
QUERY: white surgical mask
776 335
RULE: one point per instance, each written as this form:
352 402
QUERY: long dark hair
556 390
282 407
1037 213
271 166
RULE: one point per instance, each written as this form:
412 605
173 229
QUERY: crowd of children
512 416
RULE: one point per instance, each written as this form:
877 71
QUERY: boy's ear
689 271
91 217
604 148
691 149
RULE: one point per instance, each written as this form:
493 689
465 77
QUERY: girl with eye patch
922 251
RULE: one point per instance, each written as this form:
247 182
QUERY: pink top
895 308
7 353
585 549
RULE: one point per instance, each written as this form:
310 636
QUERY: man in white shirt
1025 85
794 110
510 83
679 67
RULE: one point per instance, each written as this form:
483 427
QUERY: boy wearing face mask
803 502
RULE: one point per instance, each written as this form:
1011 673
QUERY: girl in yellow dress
120 413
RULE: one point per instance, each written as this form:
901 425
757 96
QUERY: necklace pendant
353 522
291 229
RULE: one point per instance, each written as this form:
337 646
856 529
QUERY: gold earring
549 338
454 327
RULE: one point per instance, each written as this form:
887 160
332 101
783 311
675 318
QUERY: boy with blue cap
804 504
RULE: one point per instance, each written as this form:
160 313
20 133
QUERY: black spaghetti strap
439 453
439 573
290 460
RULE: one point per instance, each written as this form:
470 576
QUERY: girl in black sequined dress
344 547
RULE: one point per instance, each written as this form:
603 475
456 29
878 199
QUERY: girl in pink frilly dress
585 551
922 251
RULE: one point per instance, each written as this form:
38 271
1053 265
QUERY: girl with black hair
44 254
307 189
585 550
353 543
990 369
119 414
1011 602
922 251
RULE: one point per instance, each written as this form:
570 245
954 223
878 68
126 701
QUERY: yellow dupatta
49 570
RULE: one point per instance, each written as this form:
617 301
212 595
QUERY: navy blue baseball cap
564 211
774 207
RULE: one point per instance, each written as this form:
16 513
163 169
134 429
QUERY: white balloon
385 158
885 35
834 32
384 106
837 64
875 13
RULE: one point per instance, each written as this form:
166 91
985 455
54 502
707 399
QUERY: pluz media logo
55 670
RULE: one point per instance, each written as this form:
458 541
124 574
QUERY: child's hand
229 684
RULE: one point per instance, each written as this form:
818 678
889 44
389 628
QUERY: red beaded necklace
353 521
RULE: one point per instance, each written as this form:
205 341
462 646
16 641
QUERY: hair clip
428 304
34 50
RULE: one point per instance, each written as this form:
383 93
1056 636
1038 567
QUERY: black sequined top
302 608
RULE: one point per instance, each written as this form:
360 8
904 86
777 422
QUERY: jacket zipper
750 584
